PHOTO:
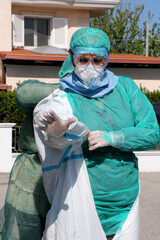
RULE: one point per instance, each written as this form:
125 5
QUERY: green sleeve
144 135
30 92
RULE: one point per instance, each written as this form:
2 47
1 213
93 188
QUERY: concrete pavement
150 206
3 187
149 203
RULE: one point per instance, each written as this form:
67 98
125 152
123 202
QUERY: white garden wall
6 160
149 161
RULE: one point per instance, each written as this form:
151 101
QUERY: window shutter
18 30
59 32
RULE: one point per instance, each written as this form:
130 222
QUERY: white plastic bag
73 214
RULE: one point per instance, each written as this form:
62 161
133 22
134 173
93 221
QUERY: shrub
8 110
153 97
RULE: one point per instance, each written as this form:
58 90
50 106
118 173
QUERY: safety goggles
83 60
83 56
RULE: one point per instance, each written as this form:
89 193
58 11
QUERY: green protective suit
113 172
26 204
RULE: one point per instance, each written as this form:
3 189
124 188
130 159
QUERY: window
39 31
36 32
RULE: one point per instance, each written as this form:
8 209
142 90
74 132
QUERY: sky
152 5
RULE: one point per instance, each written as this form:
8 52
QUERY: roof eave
56 57
134 61
71 4
32 57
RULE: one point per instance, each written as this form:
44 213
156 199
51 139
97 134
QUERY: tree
122 26
154 40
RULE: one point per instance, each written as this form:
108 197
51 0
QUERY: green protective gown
113 172
26 204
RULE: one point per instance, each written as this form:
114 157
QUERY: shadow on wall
34 71
137 73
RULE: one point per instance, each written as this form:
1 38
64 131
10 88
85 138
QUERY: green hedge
10 113
8 110
153 97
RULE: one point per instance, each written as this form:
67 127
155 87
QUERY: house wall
5 23
16 74
145 77
149 78
76 18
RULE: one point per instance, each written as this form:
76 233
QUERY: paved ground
3 187
149 204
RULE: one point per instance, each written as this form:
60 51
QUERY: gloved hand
95 139
98 139
54 125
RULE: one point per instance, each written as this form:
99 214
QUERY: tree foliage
154 40
122 26
8 110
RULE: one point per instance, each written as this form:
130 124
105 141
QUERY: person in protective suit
119 119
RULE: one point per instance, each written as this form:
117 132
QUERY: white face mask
88 74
